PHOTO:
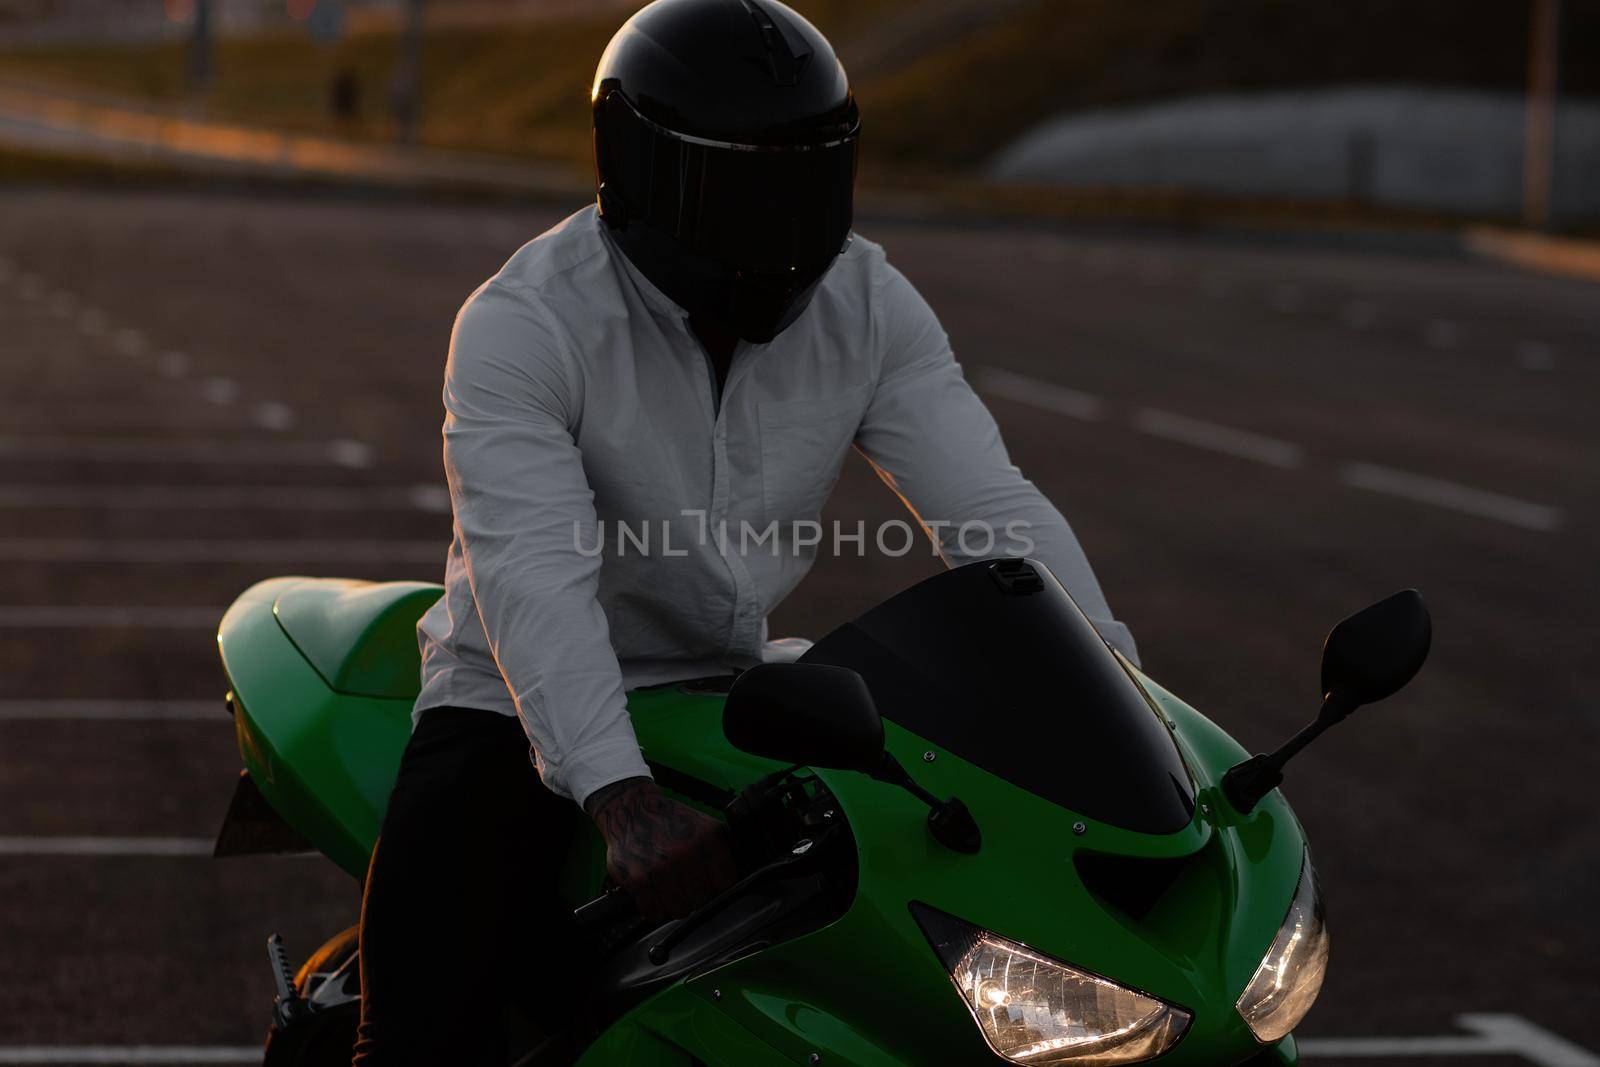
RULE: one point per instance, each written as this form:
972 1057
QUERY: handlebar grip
612 905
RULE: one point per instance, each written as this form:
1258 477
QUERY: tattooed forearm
603 796
669 857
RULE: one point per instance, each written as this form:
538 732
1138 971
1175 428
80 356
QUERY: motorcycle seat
361 637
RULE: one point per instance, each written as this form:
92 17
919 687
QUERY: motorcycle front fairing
1180 905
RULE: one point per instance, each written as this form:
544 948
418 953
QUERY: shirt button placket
743 623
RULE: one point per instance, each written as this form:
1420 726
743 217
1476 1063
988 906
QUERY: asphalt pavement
1252 438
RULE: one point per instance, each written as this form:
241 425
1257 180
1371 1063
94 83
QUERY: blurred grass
519 89
928 109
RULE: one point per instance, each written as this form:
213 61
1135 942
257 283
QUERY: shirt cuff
597 766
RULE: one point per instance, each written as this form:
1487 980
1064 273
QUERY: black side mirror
1375 652
811 713
824 716
1367 657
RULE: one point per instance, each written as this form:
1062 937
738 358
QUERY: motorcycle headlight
1034 1009
1290 976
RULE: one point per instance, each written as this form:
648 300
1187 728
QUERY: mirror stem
950 821
1245 784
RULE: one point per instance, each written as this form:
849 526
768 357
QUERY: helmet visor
757 209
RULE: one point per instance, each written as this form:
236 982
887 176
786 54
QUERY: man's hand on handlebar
669 857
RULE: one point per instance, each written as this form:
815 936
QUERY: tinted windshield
994 662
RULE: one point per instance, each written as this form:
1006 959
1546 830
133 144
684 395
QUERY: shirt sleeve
524 513
935 445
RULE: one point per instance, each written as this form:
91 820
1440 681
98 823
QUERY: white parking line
174 364
1493 1035
142 1055
340 453
119 617
92 322
1035 393
434 499
136 413
1269 450
129 342
273 416
105 846
1224 439
1440 493
220 390
222 550
68 710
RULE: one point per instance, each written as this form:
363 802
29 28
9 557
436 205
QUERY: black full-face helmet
725 153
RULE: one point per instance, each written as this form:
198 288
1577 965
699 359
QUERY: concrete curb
1564 256
67 126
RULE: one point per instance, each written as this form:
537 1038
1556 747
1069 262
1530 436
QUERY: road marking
220 390
349 453
1272 451
89 617
105 846
66 710
186 450
91 322
174 364
222 550
1034 393
434 499
1224 439
63 304
1535 355
1440 493
142 1055
129 342
1494 1035
272 415
60 415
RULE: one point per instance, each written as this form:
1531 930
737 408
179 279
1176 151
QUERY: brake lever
799 855
610 906
615 904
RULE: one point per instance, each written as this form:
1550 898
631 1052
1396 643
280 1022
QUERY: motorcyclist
645 410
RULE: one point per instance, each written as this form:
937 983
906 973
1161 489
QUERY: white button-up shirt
617 522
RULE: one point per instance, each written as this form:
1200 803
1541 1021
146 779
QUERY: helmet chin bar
755 306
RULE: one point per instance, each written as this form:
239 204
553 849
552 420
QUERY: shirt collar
654 299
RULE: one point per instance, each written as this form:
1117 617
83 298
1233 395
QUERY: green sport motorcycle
1036 855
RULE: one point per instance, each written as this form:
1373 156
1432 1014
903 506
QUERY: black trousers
461 922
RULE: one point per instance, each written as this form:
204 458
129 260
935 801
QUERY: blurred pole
200 49
1538 152
408 78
